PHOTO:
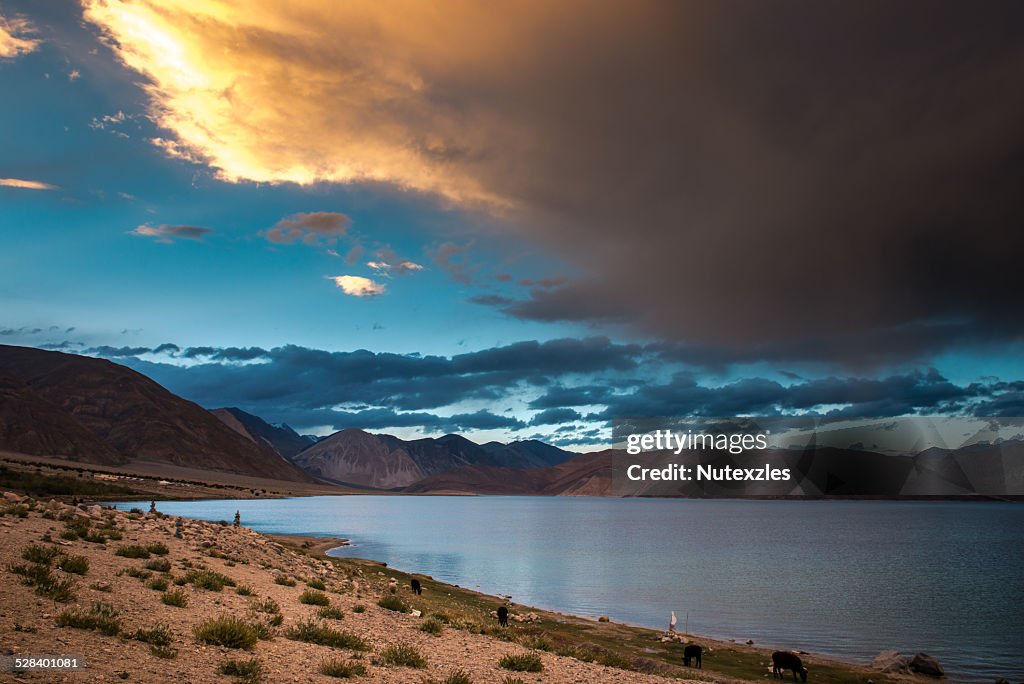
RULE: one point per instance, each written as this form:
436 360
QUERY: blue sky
681 238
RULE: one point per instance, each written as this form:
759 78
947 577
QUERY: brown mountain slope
31 425
583 475
137 418
359 458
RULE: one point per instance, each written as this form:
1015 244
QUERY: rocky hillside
284 440
93 410
387 462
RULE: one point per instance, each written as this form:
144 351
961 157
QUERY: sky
521 219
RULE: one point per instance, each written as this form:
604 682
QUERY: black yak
784 660
692 652
416 588
503 616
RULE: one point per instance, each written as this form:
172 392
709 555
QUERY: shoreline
321 545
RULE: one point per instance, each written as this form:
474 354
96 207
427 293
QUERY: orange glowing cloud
358 286
300 92
13 40
26 184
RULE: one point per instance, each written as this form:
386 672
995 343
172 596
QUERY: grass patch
138 573
521 662
336 667
59 589
249 671
313 632
458 677
158 565
314 598
316 584
101 617
228 631
402 655
209 580
78 565
245 590
157 584
392 602
132 551
160 635
284 581
432 626
158 549
331 613
54 485
359 608
37 553
176 598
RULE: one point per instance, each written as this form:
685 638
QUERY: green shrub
159 565
521 662
314 632
101 617
176 598
210 580
284 581
432 626
61 590
314 598
316 584
244 590
132 551
158 549
40 554
267 605
402 655
160 635
138 573
336 667
78 565
250 671
331 613
394 603
539 642
167 652
458 677
228 631
359 608
157 584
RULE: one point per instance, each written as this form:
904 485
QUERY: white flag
672 622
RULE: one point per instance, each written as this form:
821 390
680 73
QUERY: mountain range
93 410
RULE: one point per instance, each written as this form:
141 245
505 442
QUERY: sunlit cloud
26 184
358 286
14 37
301 93
167 234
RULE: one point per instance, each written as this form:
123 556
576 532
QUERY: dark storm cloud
312 228
309 387
831 180
555 416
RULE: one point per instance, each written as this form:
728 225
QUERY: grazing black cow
785 660
692 652
503 616
416 588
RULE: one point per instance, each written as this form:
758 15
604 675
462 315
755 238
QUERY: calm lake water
844 578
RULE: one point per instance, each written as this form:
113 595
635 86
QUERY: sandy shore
280 569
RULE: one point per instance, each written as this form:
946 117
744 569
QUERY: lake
842 578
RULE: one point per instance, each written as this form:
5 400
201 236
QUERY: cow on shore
786 660
692 652
503 616
416 588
